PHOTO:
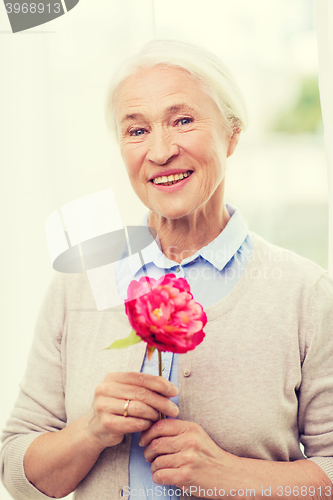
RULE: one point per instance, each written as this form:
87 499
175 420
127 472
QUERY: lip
173 187
171 171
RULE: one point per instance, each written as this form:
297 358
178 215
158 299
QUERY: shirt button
187 372
178 269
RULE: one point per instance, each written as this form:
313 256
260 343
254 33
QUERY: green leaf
132 339
150 350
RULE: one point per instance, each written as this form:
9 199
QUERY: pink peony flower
164 314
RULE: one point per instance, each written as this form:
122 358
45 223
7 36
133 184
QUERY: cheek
132 157
203 146
195 147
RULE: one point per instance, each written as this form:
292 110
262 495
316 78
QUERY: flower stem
160 374
159 363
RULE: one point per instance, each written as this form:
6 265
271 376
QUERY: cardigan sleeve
316 390
40 406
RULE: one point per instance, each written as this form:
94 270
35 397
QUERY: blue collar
218 252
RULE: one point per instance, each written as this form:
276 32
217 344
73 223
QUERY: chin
173 213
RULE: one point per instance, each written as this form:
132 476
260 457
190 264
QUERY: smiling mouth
171 179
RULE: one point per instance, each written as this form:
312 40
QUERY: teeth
170 178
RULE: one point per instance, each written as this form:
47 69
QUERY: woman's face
168 125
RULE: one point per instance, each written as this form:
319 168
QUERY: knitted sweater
260 382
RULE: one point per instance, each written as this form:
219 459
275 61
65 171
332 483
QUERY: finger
142 395
167 476
135 409
139 410
114 424
165 427
165 445
172 472
157 384
171 461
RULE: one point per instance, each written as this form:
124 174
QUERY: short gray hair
201 64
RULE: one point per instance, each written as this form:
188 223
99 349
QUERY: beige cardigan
261 380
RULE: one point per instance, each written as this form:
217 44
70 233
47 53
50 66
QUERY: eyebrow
168 111
134 116
180 107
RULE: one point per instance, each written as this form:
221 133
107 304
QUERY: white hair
201 64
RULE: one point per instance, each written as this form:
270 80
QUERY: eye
184 121
137 132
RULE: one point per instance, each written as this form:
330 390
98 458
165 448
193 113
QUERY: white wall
55 147
324 23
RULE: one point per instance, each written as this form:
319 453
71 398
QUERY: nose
162 147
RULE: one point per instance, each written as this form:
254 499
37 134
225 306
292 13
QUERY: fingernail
174 410
140 442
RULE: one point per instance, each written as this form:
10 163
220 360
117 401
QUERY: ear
233 141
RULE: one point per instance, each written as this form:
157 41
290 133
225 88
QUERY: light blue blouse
211 272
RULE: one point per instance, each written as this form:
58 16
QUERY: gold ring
126 407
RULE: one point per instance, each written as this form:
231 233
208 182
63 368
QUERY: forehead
160 87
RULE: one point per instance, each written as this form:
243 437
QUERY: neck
180 238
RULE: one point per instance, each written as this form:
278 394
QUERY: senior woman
260 383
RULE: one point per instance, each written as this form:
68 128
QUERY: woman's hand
183 455
56 462
148 395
